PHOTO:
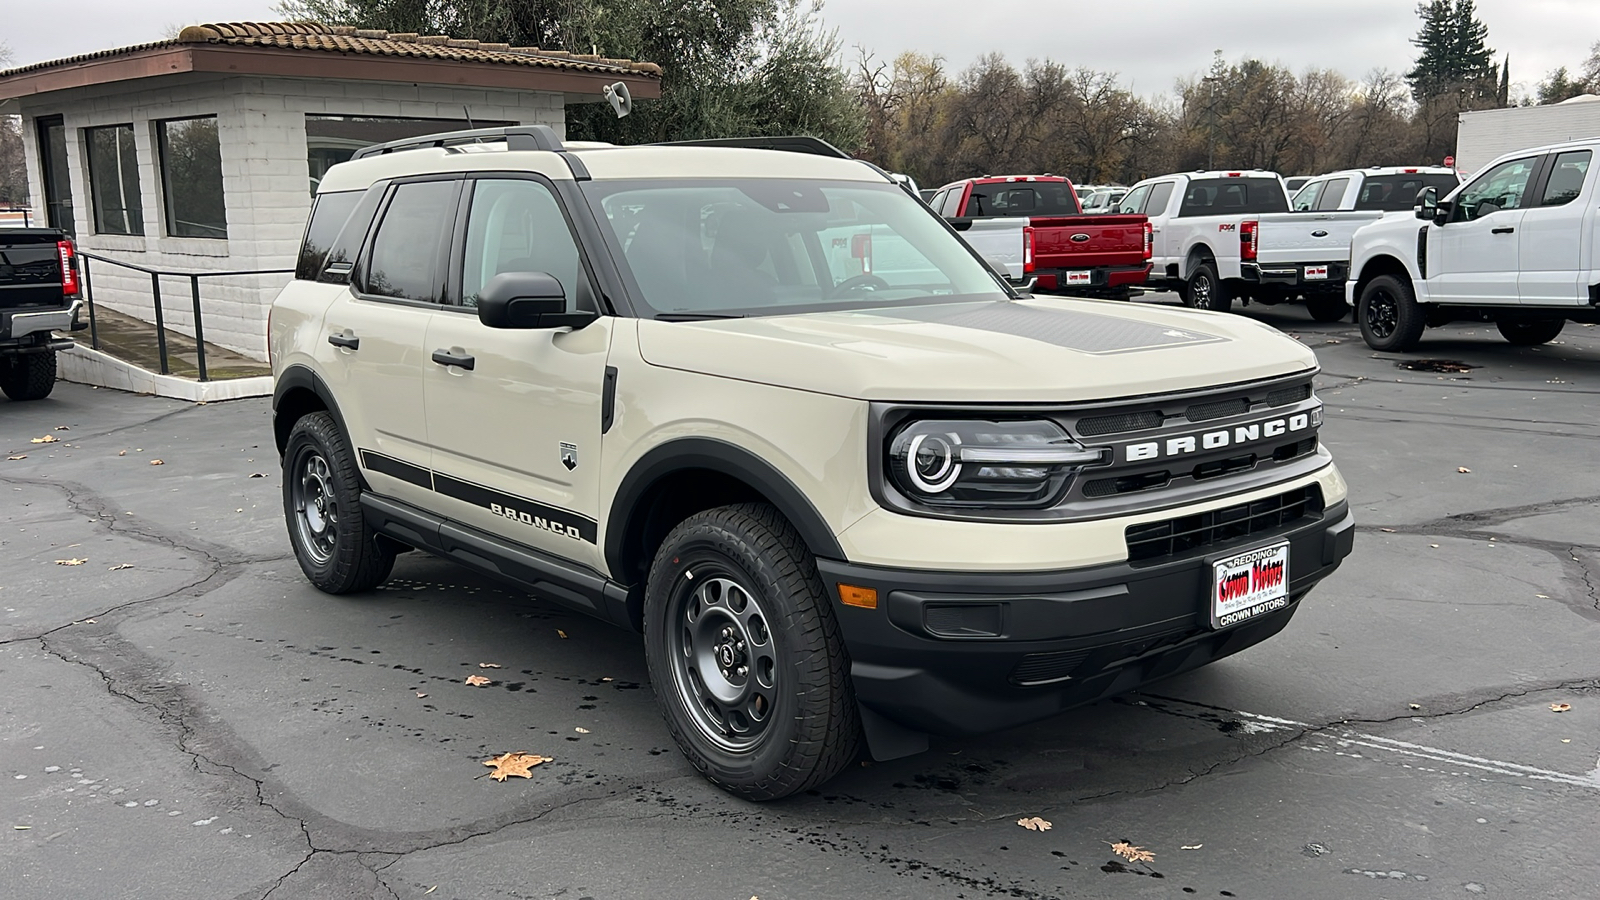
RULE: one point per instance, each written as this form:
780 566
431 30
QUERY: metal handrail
155 288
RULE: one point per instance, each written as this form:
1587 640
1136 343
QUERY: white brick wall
265 180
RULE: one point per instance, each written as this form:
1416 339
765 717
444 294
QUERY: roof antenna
469 117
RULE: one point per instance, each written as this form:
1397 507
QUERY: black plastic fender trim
298 377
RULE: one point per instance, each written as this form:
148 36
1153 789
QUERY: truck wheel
337 550
1207 291
745 654
28 376
1389 314
1327 307
1528 333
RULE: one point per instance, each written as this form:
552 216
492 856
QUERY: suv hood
1038 350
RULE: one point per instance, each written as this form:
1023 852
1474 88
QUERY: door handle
1501 230
446 358
347 341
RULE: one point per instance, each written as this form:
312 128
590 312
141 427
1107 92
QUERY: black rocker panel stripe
511 507
396 468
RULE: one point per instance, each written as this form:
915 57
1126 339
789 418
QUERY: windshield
769 246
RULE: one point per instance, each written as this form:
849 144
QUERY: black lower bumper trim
1048 641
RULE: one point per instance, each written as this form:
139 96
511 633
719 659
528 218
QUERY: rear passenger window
516 226
327 220
405 254
1566 178
1233 196
1159 195
1332 194
952 203
1397 193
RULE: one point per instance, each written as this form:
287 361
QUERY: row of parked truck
1344 242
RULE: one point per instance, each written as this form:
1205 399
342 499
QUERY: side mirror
1427 203
528 300
906 183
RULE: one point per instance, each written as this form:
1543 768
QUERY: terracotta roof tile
311 36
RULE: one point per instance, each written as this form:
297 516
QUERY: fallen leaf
489 665
1434 546
1131 853
1560 707
122 453
607 678
258 474
430 890
63 427
563 634
22 827
120 566
420 695
1414 705
1191 846
157 462
1463 470
477 680
1034 823
47 439
1566 740
23 456
517 764
1542 596
581 730
71 562
1387 530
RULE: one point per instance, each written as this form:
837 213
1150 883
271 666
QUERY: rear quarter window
1397 193
1022 198
1233 196
328 216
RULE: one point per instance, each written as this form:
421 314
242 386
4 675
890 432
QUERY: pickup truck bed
38 296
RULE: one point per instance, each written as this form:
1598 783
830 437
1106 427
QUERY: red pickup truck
1064 249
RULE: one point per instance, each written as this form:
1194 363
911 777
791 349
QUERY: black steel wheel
1389 315
745 654
1529 332
1207 291
336 549
28 376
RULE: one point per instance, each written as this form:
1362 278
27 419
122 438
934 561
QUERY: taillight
1249 240
69 271
1027 249
1149 240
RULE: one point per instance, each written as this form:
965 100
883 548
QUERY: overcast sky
1151 43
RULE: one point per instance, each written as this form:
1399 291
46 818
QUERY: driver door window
1133 202
1306 200
1500 188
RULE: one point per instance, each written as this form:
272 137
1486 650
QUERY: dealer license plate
1080 277
1316 273
1249 584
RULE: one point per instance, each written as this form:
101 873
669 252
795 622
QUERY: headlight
979 463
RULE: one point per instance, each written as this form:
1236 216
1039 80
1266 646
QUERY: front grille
1285 396
1201 412
1135 421
1184 534
1084 662
1105 487
1295 450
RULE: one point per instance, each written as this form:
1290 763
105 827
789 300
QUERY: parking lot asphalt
182 715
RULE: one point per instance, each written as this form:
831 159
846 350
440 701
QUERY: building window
53 172
114 180
331 140
191 177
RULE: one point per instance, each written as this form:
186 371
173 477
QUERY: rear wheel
338 552
1207 291
1526 333
1327 307
1390 317
28 376
745 654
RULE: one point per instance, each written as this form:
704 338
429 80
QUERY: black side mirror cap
1441 215
1427 205
528 300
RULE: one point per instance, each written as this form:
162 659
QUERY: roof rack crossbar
517 137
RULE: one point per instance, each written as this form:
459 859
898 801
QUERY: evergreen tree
1504 96
1454 56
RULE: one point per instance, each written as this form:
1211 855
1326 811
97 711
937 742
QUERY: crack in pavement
1588 576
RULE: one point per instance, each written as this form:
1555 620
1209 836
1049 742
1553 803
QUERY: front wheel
1526 333
338 552
1390 317
745 654
1327 307
1207 291
28 376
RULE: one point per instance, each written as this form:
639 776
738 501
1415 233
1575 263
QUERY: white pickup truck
1379 188
1519 246
1221 235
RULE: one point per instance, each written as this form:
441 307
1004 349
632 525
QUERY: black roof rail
517 137
793 143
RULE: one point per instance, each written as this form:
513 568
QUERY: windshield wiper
695 317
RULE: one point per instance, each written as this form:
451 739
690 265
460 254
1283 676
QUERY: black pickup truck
38 297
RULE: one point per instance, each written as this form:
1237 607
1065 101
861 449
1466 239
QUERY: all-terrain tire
1526 333
1207 291
741 574
1391 319
1327 307
336 549
28 376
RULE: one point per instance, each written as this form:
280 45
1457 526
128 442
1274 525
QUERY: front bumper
1031 644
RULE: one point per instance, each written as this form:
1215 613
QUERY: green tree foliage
731 67
1454 57
1562 84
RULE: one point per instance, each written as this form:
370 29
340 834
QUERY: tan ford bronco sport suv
768 409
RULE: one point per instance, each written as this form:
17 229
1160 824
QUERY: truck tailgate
30 268
1086 242
997 240
1309 237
